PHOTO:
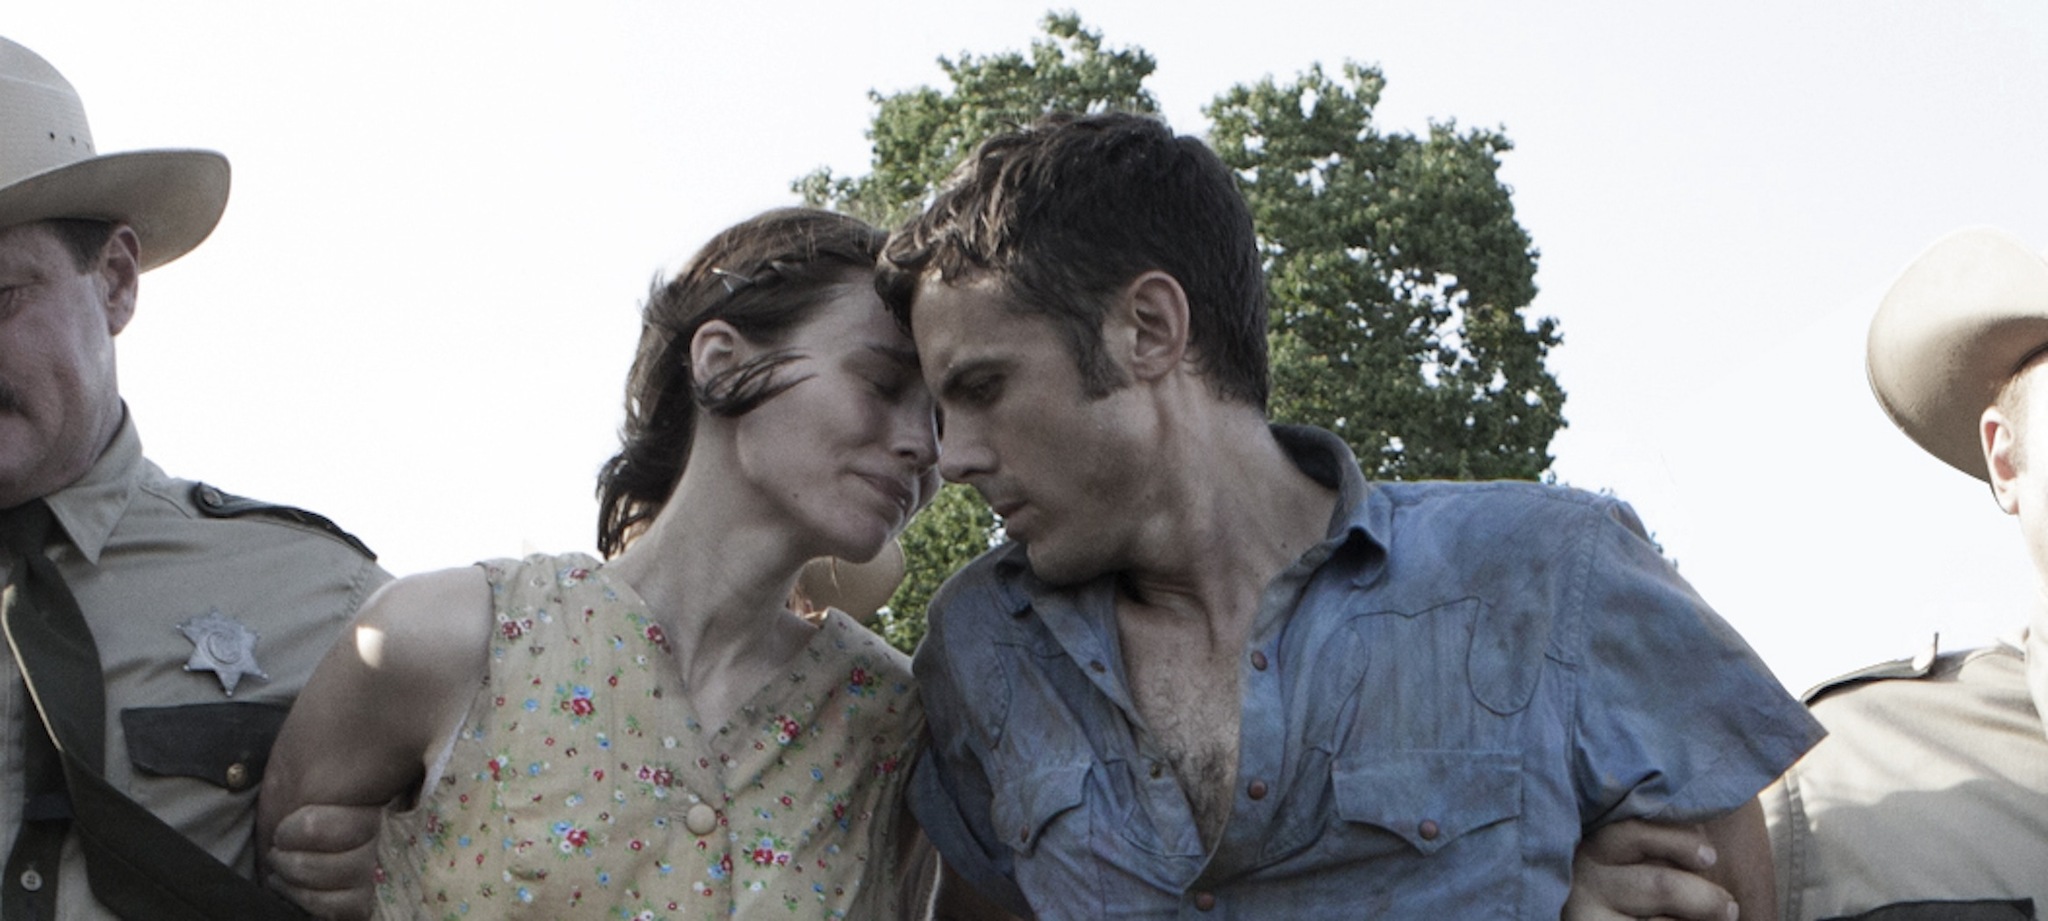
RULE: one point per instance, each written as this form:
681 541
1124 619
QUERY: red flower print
657 636
497 766
597 773
578 574
636 844
578 837
786 801
763 856
888 765
581 706
663 777
725 864
512 629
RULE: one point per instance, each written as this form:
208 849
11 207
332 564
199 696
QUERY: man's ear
2001 458
119 271
716 347
1156 310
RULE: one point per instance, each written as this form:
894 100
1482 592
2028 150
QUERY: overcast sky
417 314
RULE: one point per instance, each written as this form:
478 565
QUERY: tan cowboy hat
1950 332
172 198
859 589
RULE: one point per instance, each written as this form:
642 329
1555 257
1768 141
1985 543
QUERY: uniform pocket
225 744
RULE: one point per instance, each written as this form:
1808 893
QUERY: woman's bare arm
375 712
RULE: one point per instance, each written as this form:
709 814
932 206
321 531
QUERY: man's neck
1237 512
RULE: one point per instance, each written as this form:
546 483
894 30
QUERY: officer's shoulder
213 502
1929 664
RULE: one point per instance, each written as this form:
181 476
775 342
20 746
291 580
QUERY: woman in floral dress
657 735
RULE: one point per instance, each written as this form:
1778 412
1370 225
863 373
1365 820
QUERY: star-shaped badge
223 645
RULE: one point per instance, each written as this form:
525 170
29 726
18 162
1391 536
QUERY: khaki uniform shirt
144 554
1932 786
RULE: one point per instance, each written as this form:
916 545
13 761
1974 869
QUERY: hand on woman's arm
375 711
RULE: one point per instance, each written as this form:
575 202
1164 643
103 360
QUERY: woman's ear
715 348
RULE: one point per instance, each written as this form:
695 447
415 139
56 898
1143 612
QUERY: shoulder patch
1919 666
215 503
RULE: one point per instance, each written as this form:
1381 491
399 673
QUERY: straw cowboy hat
1949 334
48 169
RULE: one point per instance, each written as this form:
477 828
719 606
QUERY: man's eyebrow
950 385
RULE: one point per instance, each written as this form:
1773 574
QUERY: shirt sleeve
1677 719
949 791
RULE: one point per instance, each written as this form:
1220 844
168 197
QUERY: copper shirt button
1258 660
1204 901
1428 830
1257 790
702 819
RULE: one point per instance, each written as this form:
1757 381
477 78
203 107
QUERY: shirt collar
1361 511
89 508
2034 646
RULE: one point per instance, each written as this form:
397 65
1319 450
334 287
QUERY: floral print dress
580 785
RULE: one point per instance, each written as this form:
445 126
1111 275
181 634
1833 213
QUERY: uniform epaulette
1918 666
215 503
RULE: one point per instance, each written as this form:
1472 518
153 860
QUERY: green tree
1397 271
1398 276
921 134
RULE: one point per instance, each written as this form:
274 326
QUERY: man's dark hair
766 276
1065 213
83 239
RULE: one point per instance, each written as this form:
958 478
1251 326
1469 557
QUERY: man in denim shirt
1216 671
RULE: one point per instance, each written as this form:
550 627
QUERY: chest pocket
225 744
1431 801
1024 810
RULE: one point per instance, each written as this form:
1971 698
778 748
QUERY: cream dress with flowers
581 785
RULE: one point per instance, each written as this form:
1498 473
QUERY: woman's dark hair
766 276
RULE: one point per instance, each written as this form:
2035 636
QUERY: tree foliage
1397 271
1398 276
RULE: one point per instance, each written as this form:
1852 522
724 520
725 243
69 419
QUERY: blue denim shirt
1438 699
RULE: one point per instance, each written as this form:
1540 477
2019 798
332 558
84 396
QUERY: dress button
702 819
31 880
1258 660
238 777
1257 790
1205 901
1428 830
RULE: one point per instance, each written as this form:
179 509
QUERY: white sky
418 312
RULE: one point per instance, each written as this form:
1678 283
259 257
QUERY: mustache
10 398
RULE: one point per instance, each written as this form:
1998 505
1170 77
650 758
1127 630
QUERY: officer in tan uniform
1929 797
157 629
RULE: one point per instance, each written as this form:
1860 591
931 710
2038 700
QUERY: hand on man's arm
1638 869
